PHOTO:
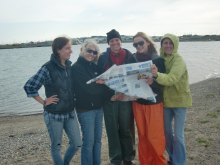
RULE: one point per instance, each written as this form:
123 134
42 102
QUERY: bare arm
39 99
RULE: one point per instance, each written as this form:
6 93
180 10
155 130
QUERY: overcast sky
31 20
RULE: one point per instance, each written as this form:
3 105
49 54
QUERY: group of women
66 90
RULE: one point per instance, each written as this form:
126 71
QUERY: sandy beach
25 140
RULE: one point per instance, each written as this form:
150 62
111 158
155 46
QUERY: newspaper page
129 79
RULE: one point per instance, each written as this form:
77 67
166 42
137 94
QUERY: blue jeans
175 144
55 130
91 127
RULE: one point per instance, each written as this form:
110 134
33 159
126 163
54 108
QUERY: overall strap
126 57
110 62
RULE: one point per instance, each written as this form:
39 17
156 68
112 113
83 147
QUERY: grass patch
210 95
203 121
191 158
201 140
218 110
187 129
210 139
205 142
212 114
215 126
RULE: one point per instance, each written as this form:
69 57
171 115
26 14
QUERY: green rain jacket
176 92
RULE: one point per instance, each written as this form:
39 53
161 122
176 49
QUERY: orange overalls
149 121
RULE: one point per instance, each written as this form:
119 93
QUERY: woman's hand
120 96
113 98
154 70
100 82
150 81
52 100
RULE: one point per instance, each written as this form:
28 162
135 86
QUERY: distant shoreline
33 46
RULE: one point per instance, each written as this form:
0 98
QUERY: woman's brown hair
59 43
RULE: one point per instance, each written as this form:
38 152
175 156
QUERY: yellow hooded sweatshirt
176 91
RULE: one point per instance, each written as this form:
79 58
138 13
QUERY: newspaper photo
129 81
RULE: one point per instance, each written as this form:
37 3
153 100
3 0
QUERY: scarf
117 58
144 56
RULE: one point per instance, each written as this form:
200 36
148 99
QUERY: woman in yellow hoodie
176 97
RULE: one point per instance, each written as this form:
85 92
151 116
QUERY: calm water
18 65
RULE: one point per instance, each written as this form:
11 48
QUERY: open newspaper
129 79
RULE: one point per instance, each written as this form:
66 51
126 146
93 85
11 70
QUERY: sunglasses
91 51
141 43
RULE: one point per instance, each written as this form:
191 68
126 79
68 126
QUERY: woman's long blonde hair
152 45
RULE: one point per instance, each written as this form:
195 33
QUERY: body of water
18 65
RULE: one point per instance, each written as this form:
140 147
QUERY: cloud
187 11
45 19
68 10
99 14
34 11
132 17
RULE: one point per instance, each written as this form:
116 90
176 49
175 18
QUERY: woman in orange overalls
149 115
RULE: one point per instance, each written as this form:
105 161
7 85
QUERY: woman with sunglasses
149 115
59 111
176 97
89 101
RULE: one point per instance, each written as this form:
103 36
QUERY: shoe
169 163
115 164
129 162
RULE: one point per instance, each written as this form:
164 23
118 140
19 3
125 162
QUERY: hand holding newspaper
129 79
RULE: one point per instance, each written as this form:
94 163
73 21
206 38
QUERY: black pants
119 122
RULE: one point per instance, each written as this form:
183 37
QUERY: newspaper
129 79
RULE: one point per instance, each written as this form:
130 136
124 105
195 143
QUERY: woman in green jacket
176 97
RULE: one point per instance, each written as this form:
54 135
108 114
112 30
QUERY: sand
25 140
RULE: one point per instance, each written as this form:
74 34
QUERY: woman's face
65 52
91 53
115 44
144 47
167 46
